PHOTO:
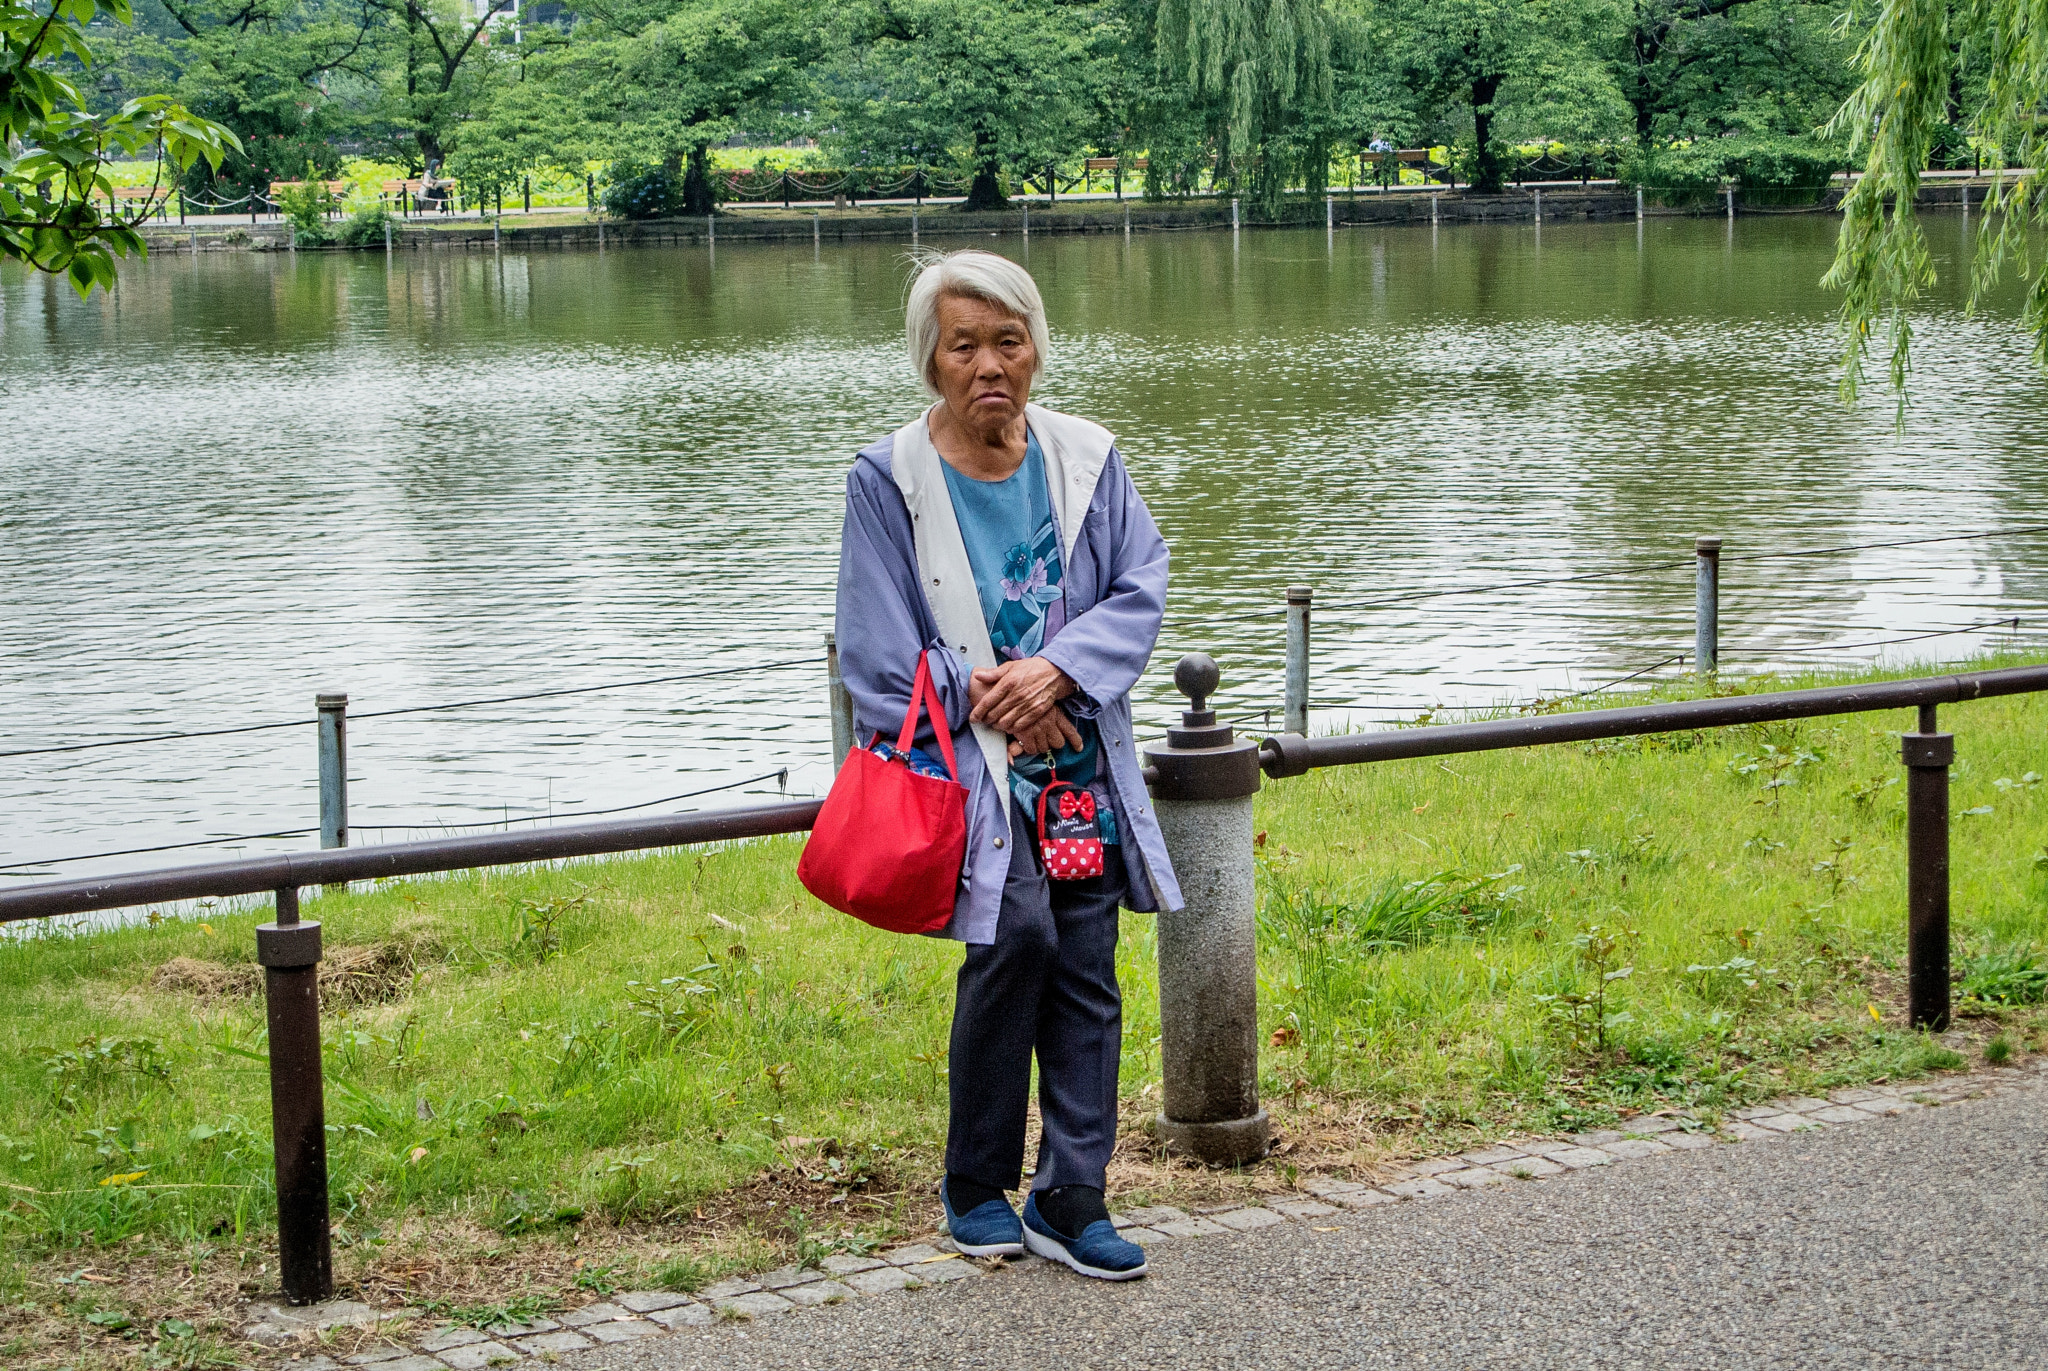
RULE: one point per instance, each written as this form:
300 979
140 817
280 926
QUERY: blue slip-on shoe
990 1229
1098 1252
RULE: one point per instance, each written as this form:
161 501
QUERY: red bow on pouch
1068 839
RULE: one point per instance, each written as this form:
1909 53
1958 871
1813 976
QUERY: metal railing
1926 753
288 949
1202 779
1200 767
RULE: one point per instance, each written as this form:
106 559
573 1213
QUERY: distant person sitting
434 188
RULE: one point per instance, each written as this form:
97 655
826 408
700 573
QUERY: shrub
305 206
638 191
1771 169
364 228
1784 171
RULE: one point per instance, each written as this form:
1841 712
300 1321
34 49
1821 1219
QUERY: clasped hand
1022 699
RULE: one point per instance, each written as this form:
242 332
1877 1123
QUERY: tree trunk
1486 170
697 194
986 193
1647 46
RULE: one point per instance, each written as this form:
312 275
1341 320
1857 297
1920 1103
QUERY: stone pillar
1202 782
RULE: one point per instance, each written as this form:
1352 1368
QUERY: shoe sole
1057 1252
990 1249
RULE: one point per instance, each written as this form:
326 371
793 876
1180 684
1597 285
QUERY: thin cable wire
1580 694
1383 602
1412 596
580 690
2013 623
413 709
1903 542
1436 594
782 774
168 847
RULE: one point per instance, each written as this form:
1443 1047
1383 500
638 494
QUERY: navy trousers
1046 985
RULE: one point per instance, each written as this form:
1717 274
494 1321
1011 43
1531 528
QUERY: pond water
240 479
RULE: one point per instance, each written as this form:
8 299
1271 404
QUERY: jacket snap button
999 842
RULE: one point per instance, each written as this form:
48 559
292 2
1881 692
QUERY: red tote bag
888 843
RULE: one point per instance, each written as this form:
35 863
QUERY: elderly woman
1009 541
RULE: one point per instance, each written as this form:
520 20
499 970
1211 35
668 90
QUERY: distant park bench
1110 165
1418 158
407 194
130 194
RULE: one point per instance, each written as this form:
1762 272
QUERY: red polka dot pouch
1069 833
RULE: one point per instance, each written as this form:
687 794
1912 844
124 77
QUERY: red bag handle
925 695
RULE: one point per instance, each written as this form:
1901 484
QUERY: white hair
982 276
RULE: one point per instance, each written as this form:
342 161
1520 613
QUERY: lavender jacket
905 585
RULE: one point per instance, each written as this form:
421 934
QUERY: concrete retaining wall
893 222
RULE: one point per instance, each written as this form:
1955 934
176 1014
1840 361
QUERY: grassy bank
542 1084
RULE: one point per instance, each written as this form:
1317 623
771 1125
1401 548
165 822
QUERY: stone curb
654 1313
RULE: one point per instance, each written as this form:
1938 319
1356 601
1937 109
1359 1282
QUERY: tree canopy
1252 97
1247 97
53 147
1934 74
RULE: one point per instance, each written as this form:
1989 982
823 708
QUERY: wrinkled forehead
960 310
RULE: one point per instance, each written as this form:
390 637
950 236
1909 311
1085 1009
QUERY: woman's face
983 363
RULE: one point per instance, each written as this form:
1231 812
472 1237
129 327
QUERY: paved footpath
1891 1227
1909 1241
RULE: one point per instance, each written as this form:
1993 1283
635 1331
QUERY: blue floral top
1014 547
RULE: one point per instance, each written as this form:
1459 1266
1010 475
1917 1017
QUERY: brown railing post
289 952
1928 755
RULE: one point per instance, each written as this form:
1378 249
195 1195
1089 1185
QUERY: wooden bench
407 193
1417 158
1109 164
335 190
130 194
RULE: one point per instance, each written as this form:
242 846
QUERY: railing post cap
288 945
331 699
1196 676
1927 751
1707 543
1300 595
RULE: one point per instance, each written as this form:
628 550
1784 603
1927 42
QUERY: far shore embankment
894 220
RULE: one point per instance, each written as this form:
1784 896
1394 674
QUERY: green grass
1539 938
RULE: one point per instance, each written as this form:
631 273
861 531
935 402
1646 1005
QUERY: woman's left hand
1049 734
1018 694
